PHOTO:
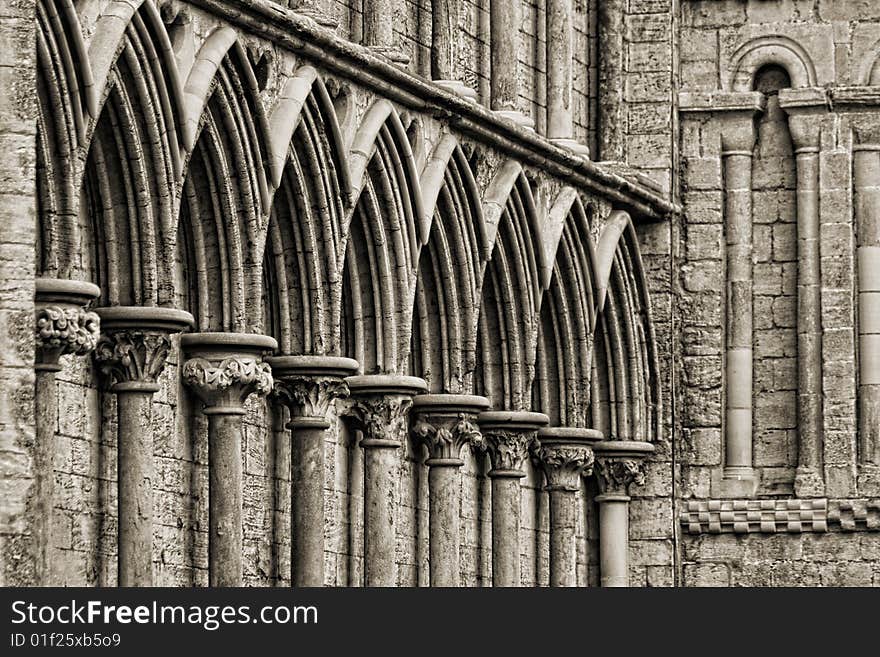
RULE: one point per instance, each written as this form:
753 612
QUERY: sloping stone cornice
304 36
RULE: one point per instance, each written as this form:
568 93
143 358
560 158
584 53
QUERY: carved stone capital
617 474
62 324
223 369
380 405
447 424
382 420
446 438
805 129
132 356
135 344
65 330
565 454
228 382
621 464
508 437
509 449
310 397
308 385
738 132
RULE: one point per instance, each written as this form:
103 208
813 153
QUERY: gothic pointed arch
564 360
382 244
511 293
301 261
449 272
65 100
225 197
128 207
625 396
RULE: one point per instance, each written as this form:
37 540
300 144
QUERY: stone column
314 10
508 435
308 386
132 351
505 20
223 369
612 108
804 124
565 455
380 406
63 326
737 146
379 19
560 126
446 424
619 463
445 40
866 203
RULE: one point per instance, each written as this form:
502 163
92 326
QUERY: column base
393 55
459 88
516 117
808 483
735 482
574 146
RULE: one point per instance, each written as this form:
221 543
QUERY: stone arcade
440 292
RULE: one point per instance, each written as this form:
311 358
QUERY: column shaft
136 474
379 23
563 549
444 483
614 540
506 509
224 454
559 49
611 83
504 21
307 505
443 38
381 495
738 389
866 181
46 403
809 325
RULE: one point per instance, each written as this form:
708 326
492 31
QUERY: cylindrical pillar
612 125
446 424
805 127
63 326
380 406
560 117
223 369
504 46
134 345
444 42
308 386
378 33
565 455
619 464
737 143
508 435
866 183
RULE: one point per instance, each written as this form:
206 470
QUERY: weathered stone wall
17 239
728 47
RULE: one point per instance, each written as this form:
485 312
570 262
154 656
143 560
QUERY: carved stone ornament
381 417
446 436
63 331
228 382
617 474
132 355
508 449
310 396
564 465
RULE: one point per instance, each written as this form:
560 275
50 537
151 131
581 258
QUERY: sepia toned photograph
434 294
